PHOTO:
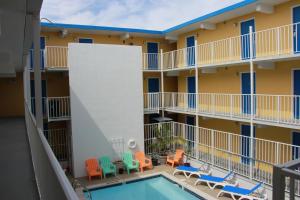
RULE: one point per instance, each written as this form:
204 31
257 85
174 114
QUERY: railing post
278 109
230 49
173 100
212 52
213 147
214 103
231 105
172 60
278 40
196 98
230 151
277 153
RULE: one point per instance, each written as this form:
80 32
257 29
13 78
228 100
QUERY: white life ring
131 143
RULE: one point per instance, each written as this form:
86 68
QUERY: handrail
60 174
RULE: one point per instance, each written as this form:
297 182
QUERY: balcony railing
151 61
226 150
152 103
278 109
58 141
273 43
54 108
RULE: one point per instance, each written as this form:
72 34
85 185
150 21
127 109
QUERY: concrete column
162 83
251 102
197 98
37 72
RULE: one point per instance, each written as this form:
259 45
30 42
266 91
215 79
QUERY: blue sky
146 14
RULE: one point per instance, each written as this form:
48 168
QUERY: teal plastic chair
129 162
107 166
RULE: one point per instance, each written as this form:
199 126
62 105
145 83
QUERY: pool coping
198 193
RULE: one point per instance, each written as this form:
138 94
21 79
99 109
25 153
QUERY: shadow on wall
90 137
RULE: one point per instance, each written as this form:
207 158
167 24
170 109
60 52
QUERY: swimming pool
154 188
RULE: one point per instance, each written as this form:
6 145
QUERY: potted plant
162 143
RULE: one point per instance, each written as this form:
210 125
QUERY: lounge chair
144 162
92 168
107 166
176 159
214 181
190 171
129 163
243 193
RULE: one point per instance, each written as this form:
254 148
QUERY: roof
238 9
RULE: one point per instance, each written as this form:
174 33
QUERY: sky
144 14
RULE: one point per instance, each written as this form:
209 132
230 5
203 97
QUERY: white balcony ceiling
15 33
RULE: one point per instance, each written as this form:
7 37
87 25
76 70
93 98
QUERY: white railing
180 58
184 102
152 102
228 151
50 177
58 141
56 57
58 108
151 61
42 59
276 109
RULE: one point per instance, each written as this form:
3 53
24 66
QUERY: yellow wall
281 16
12 96
57 84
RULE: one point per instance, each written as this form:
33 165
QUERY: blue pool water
157 188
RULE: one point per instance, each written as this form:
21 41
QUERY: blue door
246 91
32 94
296 141
296 86
245 39
42 58
190 120
245 143
153 85
191 84
190 44
296 29
152 49
85 40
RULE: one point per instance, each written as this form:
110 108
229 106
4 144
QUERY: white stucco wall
106 100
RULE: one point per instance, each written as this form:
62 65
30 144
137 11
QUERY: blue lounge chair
213 181
189 171
243 193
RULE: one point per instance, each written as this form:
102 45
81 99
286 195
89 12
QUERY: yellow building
229 80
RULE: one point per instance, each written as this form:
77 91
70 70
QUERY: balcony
152 103
270 44
54 108
278 110
226 150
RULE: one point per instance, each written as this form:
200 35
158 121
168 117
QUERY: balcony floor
17 175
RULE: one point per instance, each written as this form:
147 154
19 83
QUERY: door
85 40
42 56
190 135
152 49
296 141
296 29
245 39
32 94
245 143
191 92
296 86
246 93
153 87
190 56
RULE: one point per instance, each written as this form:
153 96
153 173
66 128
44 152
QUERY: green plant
164 140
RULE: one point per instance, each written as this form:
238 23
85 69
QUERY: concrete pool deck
201 189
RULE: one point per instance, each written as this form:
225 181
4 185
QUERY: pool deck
200 189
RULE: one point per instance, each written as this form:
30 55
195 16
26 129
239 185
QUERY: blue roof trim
153 32
100 28
213 14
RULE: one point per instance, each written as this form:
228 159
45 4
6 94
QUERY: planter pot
162 159
155 162
121 170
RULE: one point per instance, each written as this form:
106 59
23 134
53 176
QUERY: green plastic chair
129 162
107 166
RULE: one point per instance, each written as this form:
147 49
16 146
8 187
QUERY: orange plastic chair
143 160
92 168
176 159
